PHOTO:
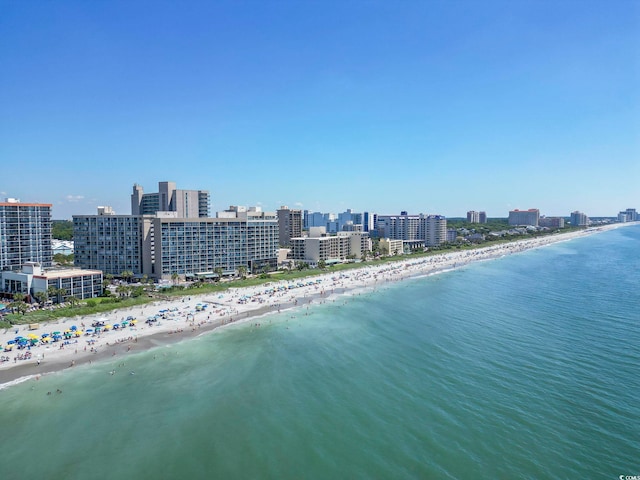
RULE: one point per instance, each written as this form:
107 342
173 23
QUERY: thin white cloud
74 198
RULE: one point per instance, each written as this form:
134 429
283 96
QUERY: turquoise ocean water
522 367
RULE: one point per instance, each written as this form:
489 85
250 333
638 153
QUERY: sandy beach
190 316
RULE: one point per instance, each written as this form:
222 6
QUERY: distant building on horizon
524 217
187 203
473 216
25 234
551 222
579 219
631 215
628 215
476 217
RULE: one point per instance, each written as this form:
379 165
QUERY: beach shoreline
188 317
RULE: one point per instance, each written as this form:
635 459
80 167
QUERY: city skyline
433 108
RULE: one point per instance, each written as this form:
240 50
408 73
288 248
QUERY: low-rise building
390 246
63 283
329 248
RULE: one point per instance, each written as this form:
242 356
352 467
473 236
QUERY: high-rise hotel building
187 203
432 229
524 217
25 234
579 219
290 225
163 244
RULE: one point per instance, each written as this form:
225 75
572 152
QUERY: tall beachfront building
435 230
473 216
25 234
164 244
524 217
430 229
289 225
187 203
476 217
401 227
111 243
579 219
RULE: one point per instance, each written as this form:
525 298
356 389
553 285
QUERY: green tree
62 229
61 294
20 306
218 271
127 275
242 272
123 290
41 297
19 297
62 259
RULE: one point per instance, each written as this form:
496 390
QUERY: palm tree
127 275
20 306
61 292
218 272
19 297
42 297
242 272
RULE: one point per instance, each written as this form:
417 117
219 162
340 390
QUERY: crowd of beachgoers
67 342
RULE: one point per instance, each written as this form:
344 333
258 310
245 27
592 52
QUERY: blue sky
424 106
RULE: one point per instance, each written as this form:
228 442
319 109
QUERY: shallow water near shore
521 367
